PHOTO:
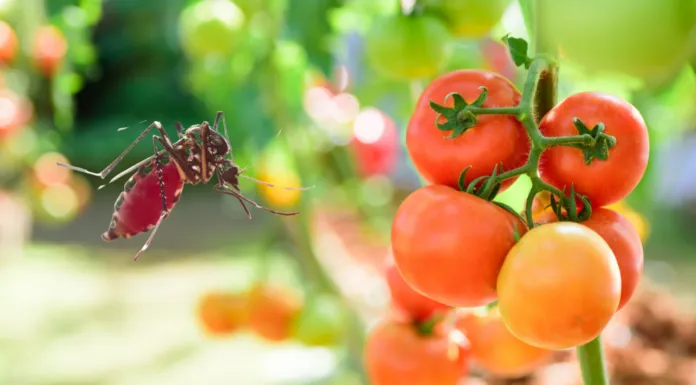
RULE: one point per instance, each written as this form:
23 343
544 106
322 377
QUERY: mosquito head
230 173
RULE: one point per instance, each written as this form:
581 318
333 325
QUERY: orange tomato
272 311
624 241
449 245
222 313
395 353
49 49
559 286
498 351
8 43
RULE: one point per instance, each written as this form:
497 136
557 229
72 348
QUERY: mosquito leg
220 188
226 190
161 219
179 129
273 185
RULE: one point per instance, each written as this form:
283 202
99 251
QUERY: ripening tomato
208 27
272 311
416 306
395 353
322 322
375 142
559 286
8 43
624 241
498 59
603 182
222 313
498 351
49 50
648 38
407 46
449 245
638 221
495 140
15 112
470 18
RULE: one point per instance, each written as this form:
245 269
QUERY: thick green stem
495 111
592 365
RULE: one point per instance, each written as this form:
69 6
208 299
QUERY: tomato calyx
427 327
459 117
567 209
600 144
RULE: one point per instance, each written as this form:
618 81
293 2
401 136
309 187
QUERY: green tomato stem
495 111
591 359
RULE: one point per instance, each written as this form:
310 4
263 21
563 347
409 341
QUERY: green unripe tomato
643 38
407 46
469 18
210 26
322 322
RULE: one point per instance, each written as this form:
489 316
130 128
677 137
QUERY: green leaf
518 50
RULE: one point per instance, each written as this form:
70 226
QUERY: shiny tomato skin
449 245
416 306
396 354
603 182
559 286
624 241
498 351
9 43
495 140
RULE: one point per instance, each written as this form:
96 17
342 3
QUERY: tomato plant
222 313
416 306
559 286
407 46
495 140
470 18
8 43
648 39
602 181
449 245
395 353
272 311
49 49
498 351
375 142
210 26
322 322
623 240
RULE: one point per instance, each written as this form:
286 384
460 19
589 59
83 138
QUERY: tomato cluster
556 278
274 313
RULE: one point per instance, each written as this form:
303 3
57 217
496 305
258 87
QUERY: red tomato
417 306
624 241
497 350
495 140
49 49
273 312
603 182
375 142
396 354
559 286
15 112
498 59
8 43
450 245
222 313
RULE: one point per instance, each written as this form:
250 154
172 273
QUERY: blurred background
315 93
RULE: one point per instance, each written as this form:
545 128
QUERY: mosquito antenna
272 185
